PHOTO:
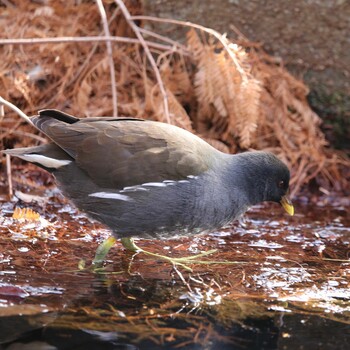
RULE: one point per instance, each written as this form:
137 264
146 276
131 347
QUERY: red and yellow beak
287 205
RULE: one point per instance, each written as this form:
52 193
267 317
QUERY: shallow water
283 283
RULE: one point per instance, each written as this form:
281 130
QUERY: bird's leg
100 256
129 244
102 251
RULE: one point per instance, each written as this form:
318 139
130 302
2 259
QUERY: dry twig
9 175
221 38
15 109
110 56
84 39
137 32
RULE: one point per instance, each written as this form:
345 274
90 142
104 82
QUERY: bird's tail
49 157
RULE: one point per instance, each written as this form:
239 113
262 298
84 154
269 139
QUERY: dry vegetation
233 95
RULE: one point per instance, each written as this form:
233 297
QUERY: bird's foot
129 244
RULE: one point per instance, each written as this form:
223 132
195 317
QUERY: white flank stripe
130 188
155 184
164 183
133 189
110 195
45 161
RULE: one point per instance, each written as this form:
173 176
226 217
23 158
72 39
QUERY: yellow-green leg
129 244
100 256
102 251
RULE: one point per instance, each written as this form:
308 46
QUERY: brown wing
126 152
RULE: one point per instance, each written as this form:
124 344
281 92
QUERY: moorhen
149 179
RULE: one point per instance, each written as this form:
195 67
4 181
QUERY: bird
148 179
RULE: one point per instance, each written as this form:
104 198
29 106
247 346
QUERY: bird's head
267 178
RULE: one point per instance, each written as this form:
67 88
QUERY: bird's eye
281 184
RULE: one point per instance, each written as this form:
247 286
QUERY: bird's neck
247 179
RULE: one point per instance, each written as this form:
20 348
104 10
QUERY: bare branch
213 32
110 56
137 32
91 53
165 39
9 175
16 109
88 39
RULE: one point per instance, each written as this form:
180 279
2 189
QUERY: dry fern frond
222 91
25 214
247 109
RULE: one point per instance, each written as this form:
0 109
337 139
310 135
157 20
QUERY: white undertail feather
46 162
